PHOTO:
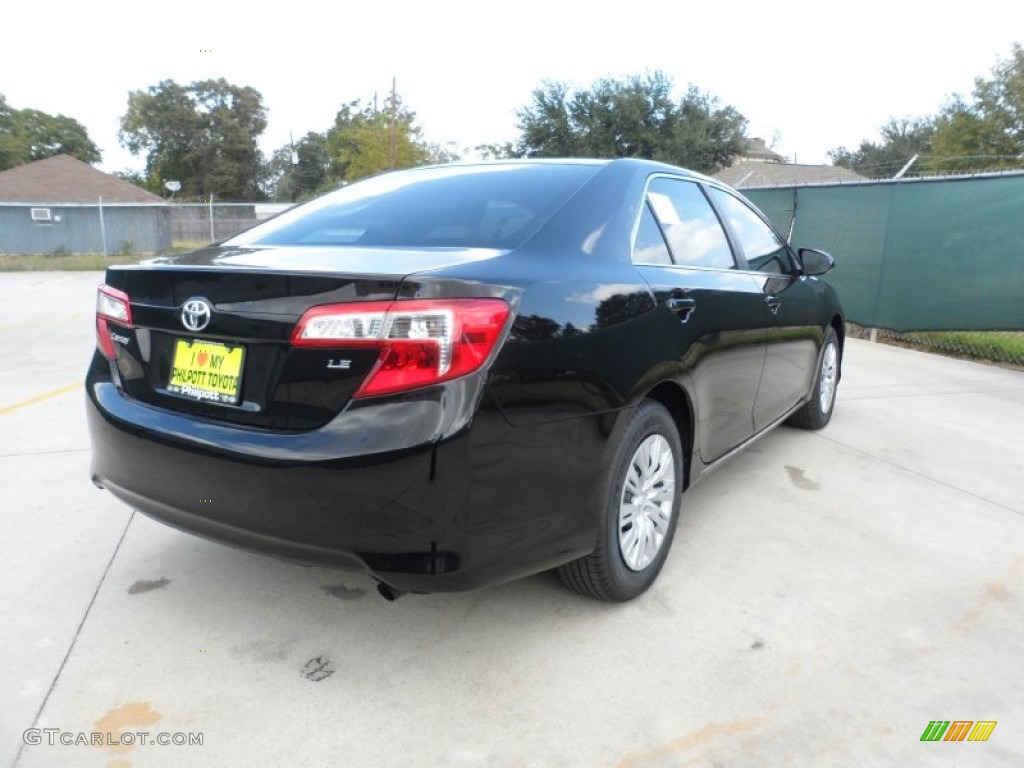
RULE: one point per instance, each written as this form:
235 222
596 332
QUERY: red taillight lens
111 305
421 342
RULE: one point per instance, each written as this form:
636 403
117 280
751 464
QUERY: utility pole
393 134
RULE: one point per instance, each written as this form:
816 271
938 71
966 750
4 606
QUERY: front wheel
817 412
641 500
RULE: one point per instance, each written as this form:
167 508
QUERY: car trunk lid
253 299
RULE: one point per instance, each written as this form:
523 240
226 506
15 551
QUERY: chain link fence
934 263
194 225
107 229
924 255
1003 347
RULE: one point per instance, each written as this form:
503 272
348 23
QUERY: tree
11 152
140 180
291 182
27 135
634 117
203 135
504 151
902 138
707 137
987 132
360 141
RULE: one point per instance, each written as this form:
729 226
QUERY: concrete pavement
828 595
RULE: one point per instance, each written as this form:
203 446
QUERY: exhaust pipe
388 593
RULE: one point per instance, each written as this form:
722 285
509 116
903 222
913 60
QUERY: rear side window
694 233
496 206
764 250
650 245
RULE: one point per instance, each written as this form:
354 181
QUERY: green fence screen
929 254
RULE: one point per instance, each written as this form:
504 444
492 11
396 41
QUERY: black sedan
456 376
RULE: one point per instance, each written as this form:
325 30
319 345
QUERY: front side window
765 250
695 236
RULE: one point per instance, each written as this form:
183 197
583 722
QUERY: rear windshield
494 206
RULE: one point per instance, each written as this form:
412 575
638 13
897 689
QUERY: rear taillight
112 305
421 342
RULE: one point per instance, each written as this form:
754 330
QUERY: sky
808 76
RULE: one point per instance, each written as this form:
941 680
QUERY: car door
710 314
791 312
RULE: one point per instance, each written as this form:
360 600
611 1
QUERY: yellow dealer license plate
207 371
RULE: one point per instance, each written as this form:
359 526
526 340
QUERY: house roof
744 175
757 149
63 179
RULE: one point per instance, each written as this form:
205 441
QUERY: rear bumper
422 516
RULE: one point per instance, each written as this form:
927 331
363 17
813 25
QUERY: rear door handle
773 303
682 307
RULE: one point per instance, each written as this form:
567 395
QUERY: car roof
652 166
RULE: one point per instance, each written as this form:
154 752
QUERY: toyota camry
455 376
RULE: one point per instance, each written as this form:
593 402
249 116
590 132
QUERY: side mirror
815 262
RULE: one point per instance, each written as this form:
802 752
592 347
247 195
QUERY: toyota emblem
195 314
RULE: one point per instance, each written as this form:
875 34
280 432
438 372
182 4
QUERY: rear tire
641 498
817 412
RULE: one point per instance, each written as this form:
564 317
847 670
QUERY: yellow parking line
40 398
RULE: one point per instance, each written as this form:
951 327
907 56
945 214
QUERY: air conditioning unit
41 214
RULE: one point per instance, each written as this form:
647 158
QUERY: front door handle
682 307
773 303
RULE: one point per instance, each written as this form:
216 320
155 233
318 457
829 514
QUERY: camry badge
195 314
